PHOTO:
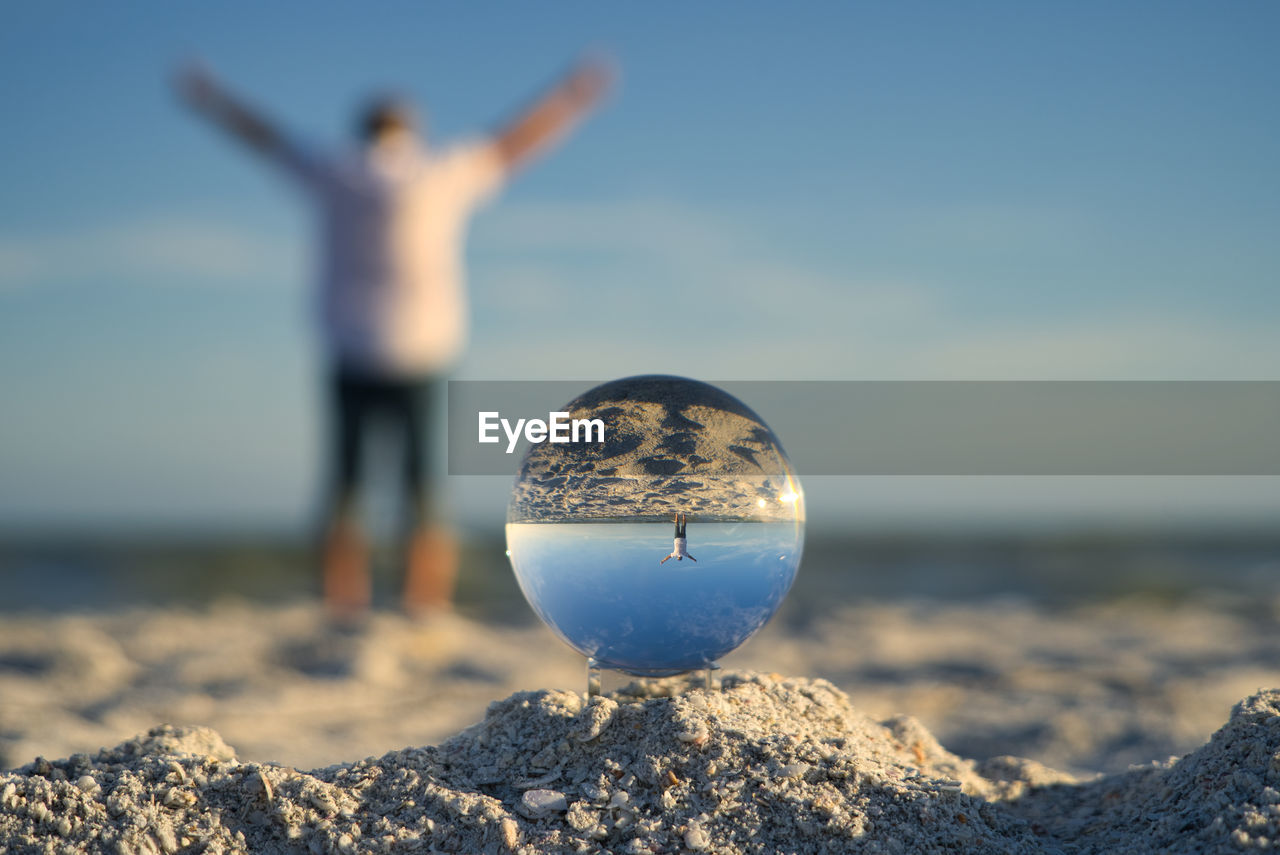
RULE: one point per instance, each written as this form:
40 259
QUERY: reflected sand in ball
592 527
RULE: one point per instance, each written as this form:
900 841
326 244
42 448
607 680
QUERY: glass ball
666 545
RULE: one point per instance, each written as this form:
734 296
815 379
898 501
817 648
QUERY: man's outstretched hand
199 88
547 121
196 84
589 80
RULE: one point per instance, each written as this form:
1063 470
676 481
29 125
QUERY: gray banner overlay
946 428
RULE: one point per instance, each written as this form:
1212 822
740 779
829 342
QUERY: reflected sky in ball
600 586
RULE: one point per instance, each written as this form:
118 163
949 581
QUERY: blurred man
394 213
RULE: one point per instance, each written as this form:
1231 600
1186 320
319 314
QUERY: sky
899 191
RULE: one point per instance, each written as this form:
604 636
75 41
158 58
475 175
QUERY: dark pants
680 526
396 408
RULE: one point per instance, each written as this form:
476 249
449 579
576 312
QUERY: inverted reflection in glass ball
670 543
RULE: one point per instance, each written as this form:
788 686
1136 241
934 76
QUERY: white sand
764 765
1096 688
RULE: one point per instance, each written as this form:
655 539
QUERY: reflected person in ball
680 547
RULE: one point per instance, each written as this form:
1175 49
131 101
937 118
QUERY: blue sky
825 191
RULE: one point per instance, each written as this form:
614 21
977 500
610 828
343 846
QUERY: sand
671 445
763 764
1091 688
757 767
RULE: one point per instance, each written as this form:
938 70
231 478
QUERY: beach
1078 688
760 764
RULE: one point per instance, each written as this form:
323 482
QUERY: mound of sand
1223 797
764 765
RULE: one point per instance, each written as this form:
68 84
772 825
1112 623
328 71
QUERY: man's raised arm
202 91
555 112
